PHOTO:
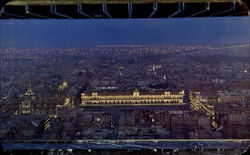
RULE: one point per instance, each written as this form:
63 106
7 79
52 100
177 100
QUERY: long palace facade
135 98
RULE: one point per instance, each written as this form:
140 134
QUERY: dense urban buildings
163 92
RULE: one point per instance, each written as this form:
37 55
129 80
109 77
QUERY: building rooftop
70 2
75 9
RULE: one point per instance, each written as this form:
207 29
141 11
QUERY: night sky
87 33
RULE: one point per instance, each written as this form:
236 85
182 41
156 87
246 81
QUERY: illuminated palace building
135 98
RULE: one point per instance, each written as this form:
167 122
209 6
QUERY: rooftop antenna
27 11
10 14
130 9
233 6
207 8
155 8
181 7
105 10
53 10
80 11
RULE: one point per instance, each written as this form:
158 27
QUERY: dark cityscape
43 92
128 84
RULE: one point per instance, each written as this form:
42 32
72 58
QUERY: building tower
62 93
26 104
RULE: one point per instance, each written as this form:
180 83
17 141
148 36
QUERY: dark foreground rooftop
195 146
181 144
